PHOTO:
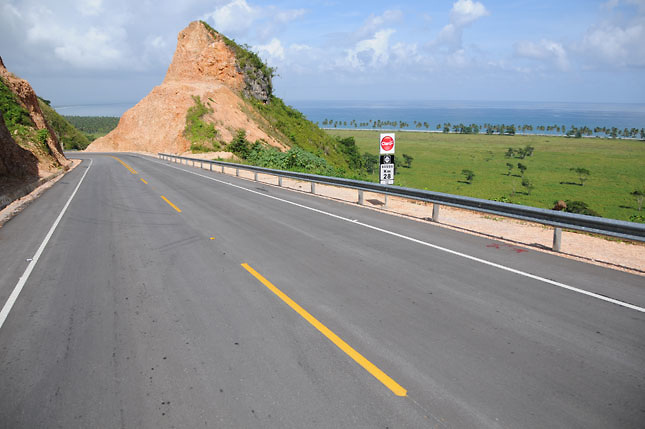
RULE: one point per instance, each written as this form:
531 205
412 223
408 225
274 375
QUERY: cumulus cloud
545 50
237 18
462 14
376 23
86 47
90 7
370 52
272 50
614 44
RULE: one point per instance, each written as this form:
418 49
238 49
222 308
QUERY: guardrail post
385 202
360 197
237 171
280 181
210 166
313 188
201 165
557 239
255 176
222 169
435 212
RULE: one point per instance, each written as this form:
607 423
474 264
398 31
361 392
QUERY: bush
240 146
637 218
579 207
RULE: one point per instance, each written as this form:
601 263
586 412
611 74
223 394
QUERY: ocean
536 114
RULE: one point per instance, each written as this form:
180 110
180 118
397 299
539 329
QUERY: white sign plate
387 174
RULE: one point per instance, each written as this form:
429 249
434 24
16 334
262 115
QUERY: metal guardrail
597 225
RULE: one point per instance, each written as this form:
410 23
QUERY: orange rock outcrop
203 65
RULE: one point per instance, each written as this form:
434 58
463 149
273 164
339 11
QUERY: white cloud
94 48
622 46
462 14
465 12
273 50
238 19
372 52
235 18
376 23
618 39
545 50
90 7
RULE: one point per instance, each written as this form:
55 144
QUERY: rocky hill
29 147
213 89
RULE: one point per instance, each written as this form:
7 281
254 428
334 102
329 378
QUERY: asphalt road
139 312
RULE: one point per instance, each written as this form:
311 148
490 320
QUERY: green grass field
617 167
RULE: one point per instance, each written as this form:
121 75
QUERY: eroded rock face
28 100
203 65
15 162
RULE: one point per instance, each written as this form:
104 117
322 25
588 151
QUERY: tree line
488 128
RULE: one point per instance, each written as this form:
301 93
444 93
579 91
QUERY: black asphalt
137 315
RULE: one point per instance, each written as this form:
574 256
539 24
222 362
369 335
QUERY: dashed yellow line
396 388
171 204
144 180
132 170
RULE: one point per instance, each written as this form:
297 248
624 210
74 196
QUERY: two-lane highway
168 296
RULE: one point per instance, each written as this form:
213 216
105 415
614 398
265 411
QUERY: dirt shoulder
40 187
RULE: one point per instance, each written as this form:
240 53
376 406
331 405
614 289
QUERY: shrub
637 218
579 207
240 146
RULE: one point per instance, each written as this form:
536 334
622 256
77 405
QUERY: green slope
69 137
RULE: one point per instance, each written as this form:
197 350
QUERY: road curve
168 296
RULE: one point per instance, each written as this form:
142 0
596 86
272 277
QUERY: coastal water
439 112
536 114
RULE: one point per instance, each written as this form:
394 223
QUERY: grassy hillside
19 123
616 168
68 135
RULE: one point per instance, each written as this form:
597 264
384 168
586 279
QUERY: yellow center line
144 180
396 388
171 204
125 165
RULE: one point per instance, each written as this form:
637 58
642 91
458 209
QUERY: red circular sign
387 143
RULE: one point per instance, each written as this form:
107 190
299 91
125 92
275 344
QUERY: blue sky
100 51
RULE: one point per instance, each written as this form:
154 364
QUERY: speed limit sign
386 170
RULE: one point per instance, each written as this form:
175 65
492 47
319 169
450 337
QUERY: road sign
387 144
386 169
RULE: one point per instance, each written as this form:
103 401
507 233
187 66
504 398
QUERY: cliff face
29 147
204 65
15 162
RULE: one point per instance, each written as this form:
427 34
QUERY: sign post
386 160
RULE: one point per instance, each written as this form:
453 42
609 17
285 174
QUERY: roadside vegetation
592 176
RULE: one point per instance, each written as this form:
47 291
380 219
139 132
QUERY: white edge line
25 276
424 243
